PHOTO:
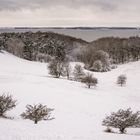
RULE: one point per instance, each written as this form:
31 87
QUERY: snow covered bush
7 103
89 80
121 80
37 113
122 119
78 72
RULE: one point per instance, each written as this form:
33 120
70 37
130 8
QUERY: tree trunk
1 113
36 122
59 74
68 76
122 130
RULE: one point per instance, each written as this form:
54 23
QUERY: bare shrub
89 80
122 119
7 103
121 80
37 113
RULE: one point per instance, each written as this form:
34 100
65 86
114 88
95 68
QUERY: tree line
99 55
39 46
102 53
120 50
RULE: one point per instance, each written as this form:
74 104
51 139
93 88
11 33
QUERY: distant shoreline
82 28
85 33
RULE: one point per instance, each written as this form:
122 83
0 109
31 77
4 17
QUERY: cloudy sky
69 13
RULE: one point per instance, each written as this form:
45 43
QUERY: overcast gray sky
69 13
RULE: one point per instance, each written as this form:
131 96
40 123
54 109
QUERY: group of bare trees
35 113
59 68
95 60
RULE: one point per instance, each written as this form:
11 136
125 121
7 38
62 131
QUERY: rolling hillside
78 111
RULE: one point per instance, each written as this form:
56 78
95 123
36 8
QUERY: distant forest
42 46
120 50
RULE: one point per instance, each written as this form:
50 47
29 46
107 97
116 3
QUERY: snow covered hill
78 111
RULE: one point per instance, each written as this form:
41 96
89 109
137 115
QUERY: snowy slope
78 111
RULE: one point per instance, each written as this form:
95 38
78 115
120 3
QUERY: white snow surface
78 111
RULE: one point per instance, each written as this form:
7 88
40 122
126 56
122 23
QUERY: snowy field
78 111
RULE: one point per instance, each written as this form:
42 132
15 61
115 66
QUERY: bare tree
15 46
37 113
122 119
56 68
78 72
104 58
121 80
67 70
7 103
89 80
